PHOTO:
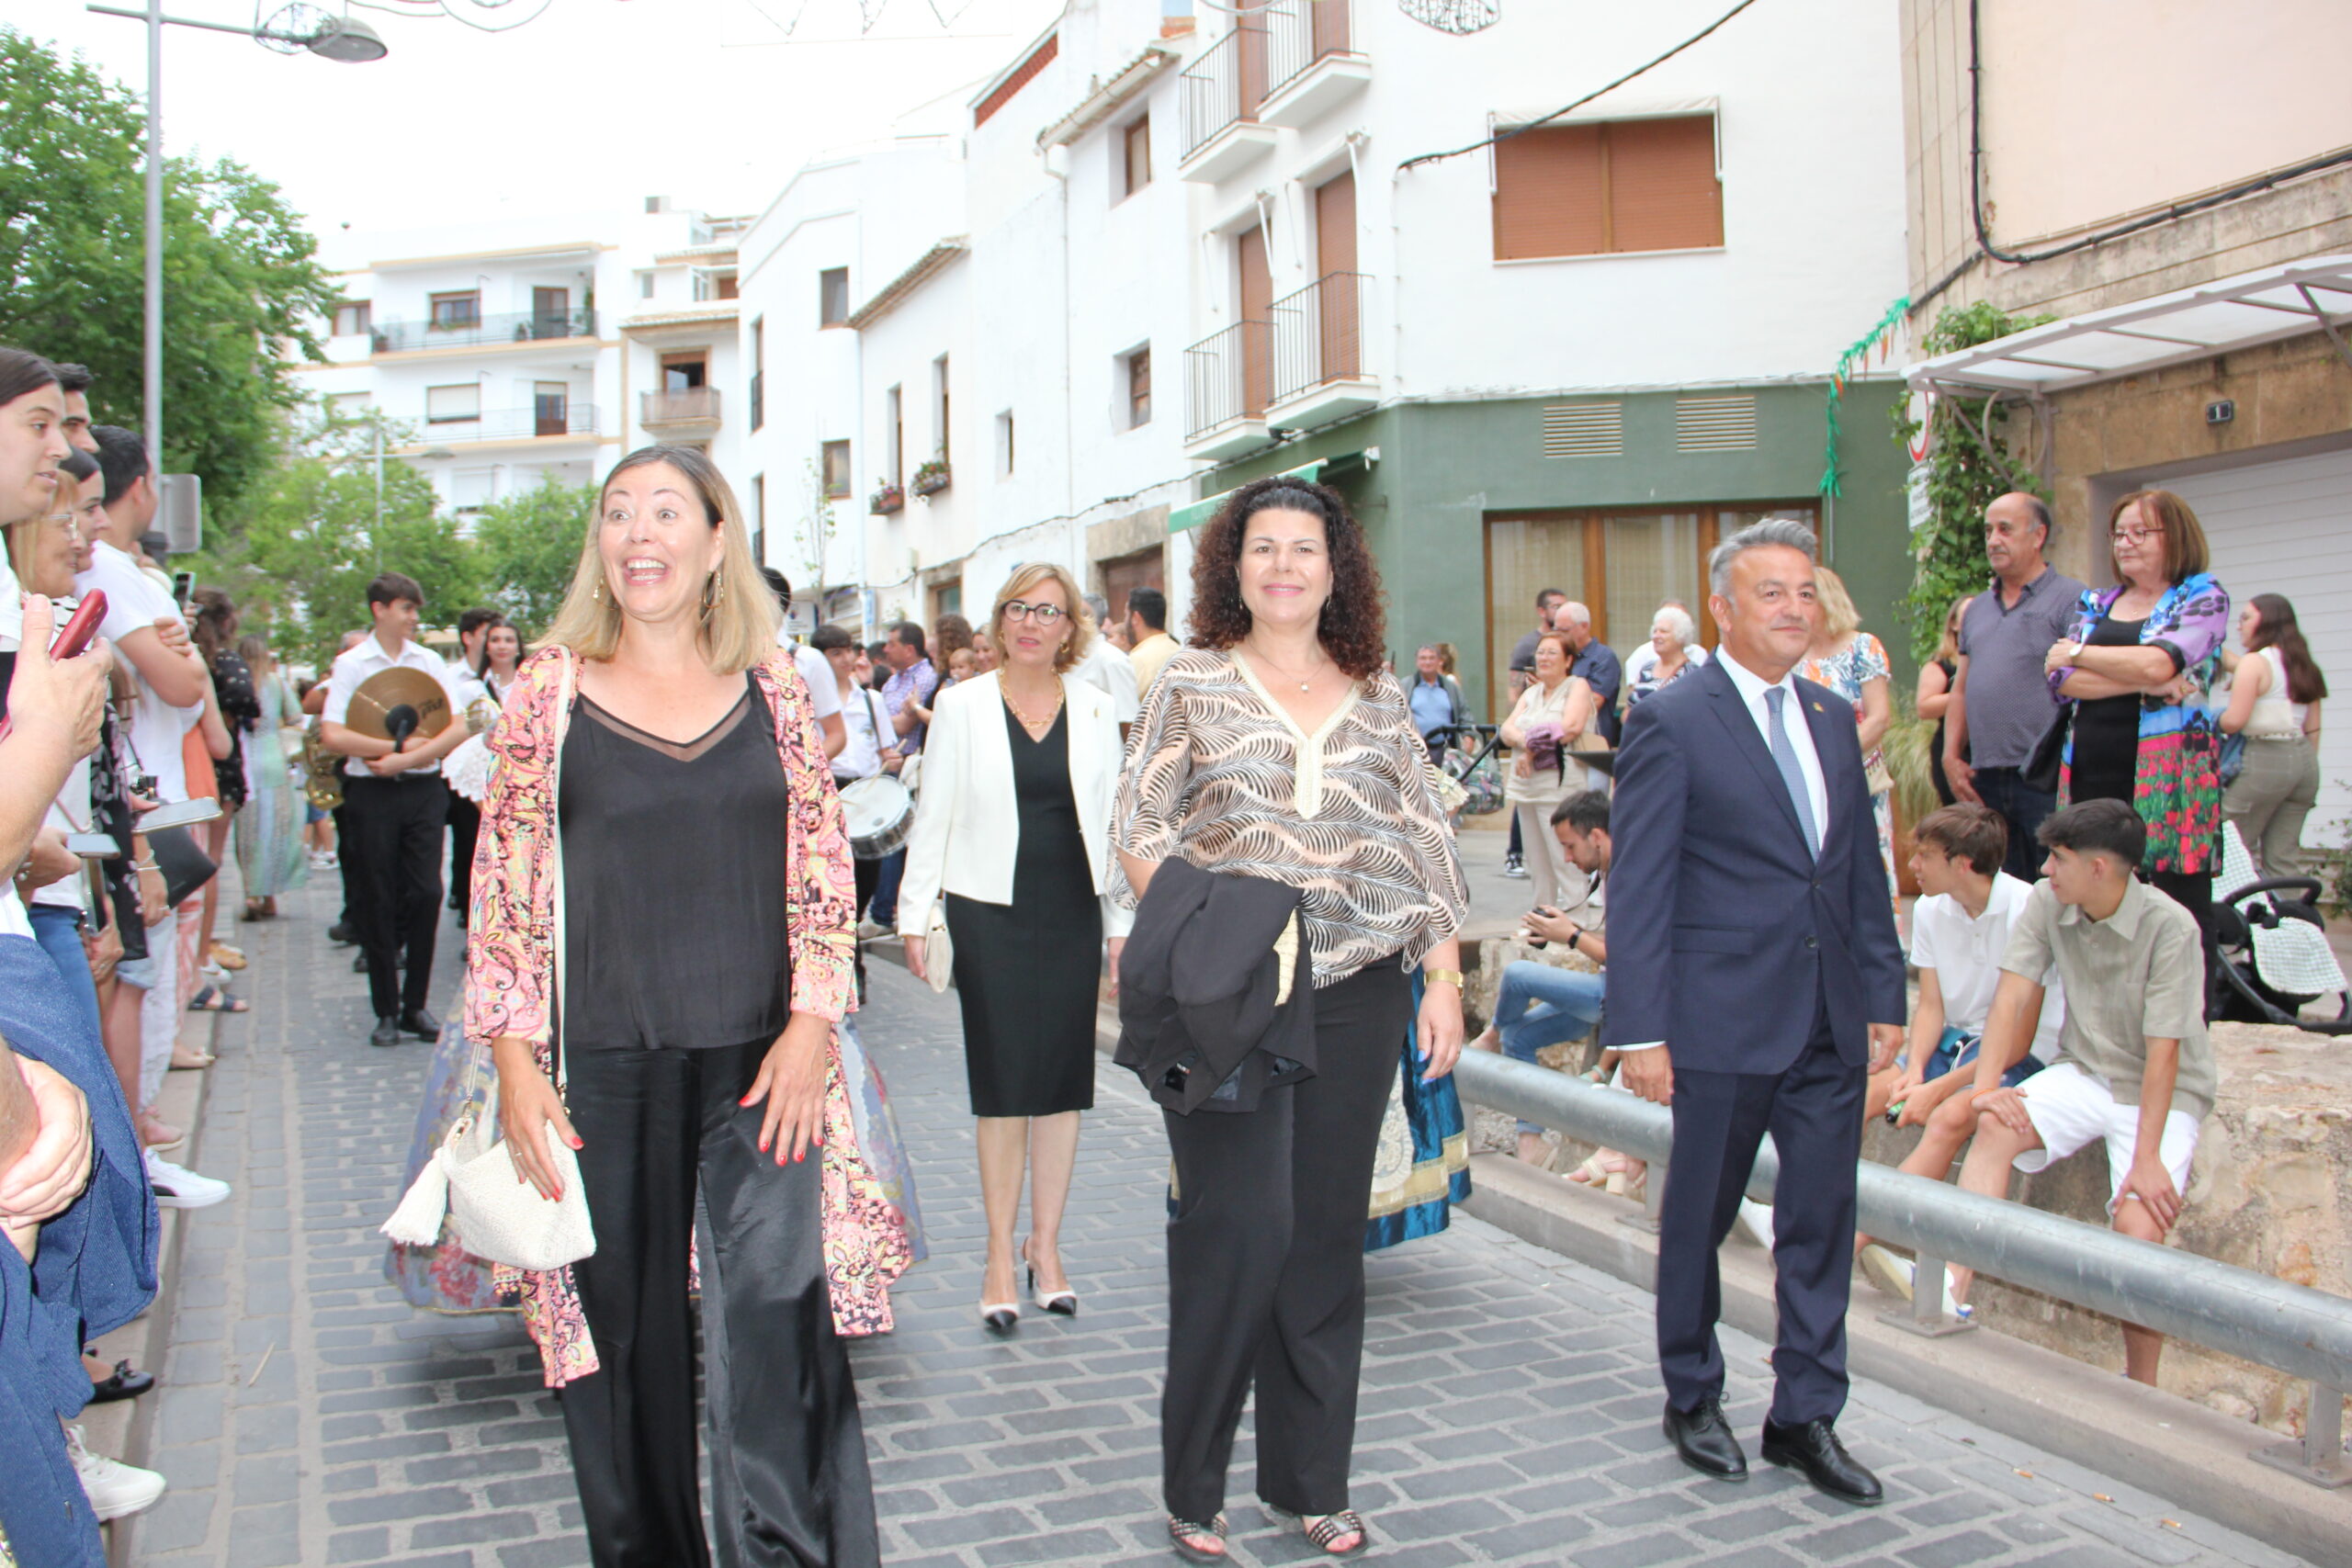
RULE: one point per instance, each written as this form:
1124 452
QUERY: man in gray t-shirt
2000 699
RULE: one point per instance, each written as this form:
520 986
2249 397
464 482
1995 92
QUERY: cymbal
373 703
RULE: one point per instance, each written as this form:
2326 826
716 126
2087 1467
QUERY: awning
1341 463
2148 334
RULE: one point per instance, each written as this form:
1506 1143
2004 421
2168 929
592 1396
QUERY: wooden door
1339 295
1331 26
1146 569
1252 63
550 408
1257 323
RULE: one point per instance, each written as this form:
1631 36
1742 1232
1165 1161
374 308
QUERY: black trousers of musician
1813 1112
654 1124
393 831
868 875
345 873
465 829
1265 1263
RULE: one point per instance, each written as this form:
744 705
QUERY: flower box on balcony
885 498
931 478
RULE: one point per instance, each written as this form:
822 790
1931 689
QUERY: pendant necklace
1303 685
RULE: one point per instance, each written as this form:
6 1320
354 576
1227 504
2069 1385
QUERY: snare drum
878 813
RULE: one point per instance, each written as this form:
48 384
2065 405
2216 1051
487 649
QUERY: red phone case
80 628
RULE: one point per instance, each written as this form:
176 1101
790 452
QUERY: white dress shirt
816 673
1107 668
865 723
133 605
366 658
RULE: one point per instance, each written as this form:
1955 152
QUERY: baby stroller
2273 945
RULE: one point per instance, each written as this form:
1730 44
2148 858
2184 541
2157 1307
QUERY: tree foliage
298 551
1970 463
530 544
239 277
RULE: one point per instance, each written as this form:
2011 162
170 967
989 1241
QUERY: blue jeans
1956 1050
59 931
1539 1005
883 910
2025 810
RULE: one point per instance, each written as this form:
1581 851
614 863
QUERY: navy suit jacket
1724 933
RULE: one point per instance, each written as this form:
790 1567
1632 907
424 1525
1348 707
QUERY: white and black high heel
1061 1304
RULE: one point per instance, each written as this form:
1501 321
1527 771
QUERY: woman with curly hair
1274 748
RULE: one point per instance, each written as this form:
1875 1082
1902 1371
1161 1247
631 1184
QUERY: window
760 518
350 405
1591 189
759 372
458 404
939 403
645 284
832 460
1022 74
894 411
471 490
1138 365
684 369
352 318
832 296
726 285
1134 144
1004 443
451 311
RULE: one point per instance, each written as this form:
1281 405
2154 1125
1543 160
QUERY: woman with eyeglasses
2139 665
1011 852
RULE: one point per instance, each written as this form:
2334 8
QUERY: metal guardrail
1318 334
1228 376
2291 1328
526 326
512 424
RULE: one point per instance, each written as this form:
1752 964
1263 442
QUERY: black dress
1936 743
1028 971
240 712
2106 764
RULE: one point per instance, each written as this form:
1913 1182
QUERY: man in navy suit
1753 977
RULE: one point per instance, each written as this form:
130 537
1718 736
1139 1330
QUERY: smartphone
92 846
183 586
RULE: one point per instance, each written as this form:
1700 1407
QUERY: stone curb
2197 1458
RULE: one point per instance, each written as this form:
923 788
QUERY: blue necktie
1785 755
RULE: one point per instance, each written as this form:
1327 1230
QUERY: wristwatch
1575 933
1443 978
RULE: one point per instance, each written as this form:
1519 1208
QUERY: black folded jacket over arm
1204 1020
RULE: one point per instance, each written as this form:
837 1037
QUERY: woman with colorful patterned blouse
1276 748
2139 663
661 811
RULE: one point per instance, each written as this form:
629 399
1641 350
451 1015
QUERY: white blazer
967 824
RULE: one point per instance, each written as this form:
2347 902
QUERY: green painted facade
1445 467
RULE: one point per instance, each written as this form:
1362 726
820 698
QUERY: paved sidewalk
1509 1410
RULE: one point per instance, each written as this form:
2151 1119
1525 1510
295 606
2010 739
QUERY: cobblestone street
307 1416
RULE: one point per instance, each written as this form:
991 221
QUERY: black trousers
345 871
1813 1112
465 828
868 875
1265 1264
784 1416
393 828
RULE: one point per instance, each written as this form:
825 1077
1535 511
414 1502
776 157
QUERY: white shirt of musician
368 658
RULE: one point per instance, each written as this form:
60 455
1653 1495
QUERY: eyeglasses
1021 610
2137 535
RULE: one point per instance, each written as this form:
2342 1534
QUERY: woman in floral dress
1853 663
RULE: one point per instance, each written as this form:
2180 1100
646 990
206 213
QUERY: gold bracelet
1443 978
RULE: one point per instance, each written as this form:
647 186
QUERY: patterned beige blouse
1218 773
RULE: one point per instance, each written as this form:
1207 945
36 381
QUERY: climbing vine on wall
1970 463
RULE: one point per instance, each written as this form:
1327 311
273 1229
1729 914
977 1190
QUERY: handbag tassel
417 1221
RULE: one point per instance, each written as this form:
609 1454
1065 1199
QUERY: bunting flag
1880 339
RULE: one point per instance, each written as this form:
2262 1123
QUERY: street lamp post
346 38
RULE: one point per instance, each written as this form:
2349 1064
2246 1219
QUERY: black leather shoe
421 1023
1813 1448
359 964
125 1383
1704 1440
388 1033
342 935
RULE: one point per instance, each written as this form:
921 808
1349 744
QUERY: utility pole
155 345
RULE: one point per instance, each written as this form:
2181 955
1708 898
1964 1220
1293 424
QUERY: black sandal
1182 1533
1332 1526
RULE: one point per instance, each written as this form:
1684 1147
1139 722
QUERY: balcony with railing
1318 352
689 413
1221 92
1228 384
1311 61
551 419
473 330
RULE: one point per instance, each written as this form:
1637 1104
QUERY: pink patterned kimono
510 959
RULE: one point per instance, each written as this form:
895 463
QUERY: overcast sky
594 106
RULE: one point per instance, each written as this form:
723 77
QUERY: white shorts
2070 1109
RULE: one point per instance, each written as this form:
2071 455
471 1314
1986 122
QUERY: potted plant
931 478
887 498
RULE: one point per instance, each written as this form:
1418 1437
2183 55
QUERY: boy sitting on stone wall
2137 1065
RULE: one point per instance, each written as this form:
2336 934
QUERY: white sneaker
176 1186
1890 1273
872 930
115 1488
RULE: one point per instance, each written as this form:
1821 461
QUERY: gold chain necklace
1061 696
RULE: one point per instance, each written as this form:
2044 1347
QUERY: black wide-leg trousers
1813 1110
1265 1264
392 831
653 1124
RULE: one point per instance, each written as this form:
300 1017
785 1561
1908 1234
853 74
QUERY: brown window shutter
1663 192
1550 193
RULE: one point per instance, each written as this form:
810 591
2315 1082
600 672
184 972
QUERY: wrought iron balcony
1228 378
550 418
1311 61
1318 334
685 405
478 330
1212 96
